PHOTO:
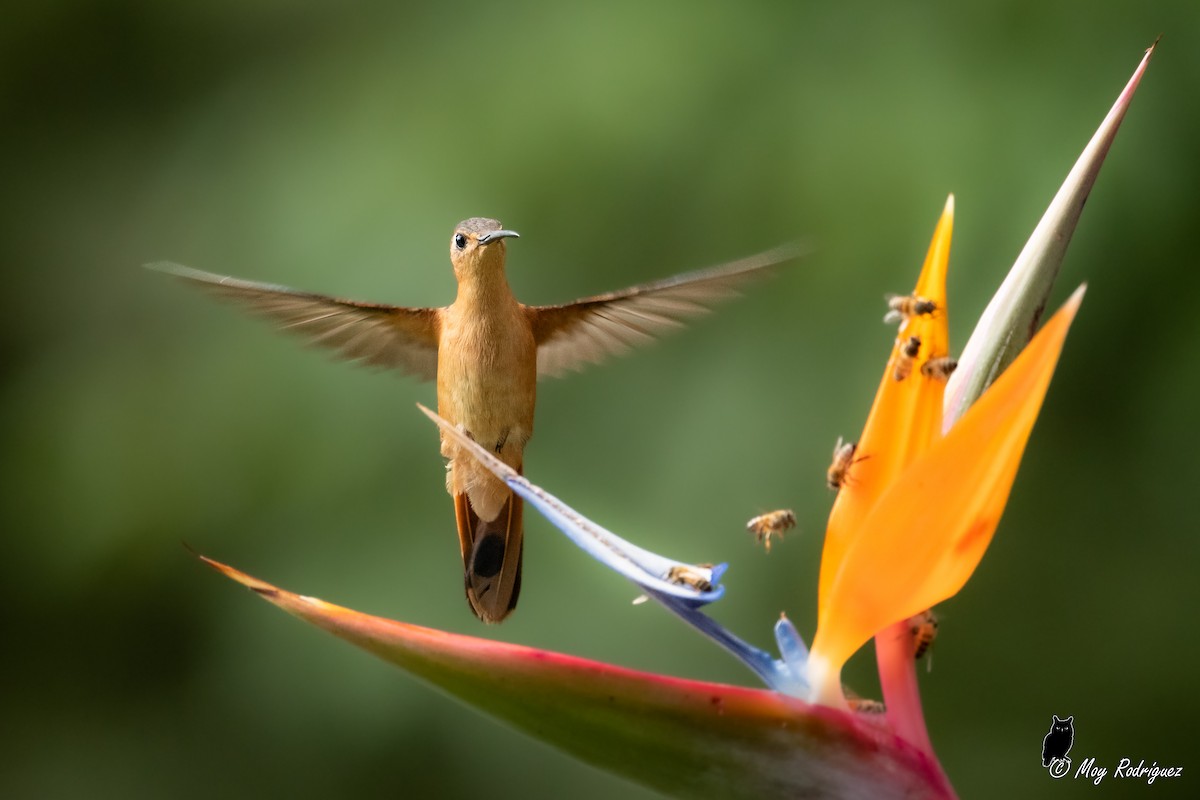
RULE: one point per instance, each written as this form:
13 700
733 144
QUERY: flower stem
898 679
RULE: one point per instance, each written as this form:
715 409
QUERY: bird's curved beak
494 236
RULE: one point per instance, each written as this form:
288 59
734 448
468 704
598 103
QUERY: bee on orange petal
905 358
838 474
903 306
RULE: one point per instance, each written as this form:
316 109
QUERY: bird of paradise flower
937 465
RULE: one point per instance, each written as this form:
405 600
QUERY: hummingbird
486 351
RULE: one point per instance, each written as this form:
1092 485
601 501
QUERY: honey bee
939 368
903 306
690 576
904 359
773 523
838 474
924 627
684 575
863 705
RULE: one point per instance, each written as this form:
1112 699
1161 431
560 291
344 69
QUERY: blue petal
648 570
682 588
794 652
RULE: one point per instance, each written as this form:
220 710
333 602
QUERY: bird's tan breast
487 372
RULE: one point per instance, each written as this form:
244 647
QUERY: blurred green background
333 149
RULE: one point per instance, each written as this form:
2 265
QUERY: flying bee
939 368
690 576
924 627
773 523
905 358
838 474
903 306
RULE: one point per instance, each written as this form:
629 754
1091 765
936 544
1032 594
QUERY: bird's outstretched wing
589 330
373 334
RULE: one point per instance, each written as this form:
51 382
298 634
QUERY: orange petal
906 415
930 528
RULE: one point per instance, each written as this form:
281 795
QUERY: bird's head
477 247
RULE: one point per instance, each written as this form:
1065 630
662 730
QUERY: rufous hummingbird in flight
486 350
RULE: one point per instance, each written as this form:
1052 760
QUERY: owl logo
1057 744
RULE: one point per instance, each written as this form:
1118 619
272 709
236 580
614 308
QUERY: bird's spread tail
491 554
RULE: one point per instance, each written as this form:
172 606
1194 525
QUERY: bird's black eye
460 241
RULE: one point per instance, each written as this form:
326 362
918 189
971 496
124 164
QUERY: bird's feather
370 333
492 557
573 335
